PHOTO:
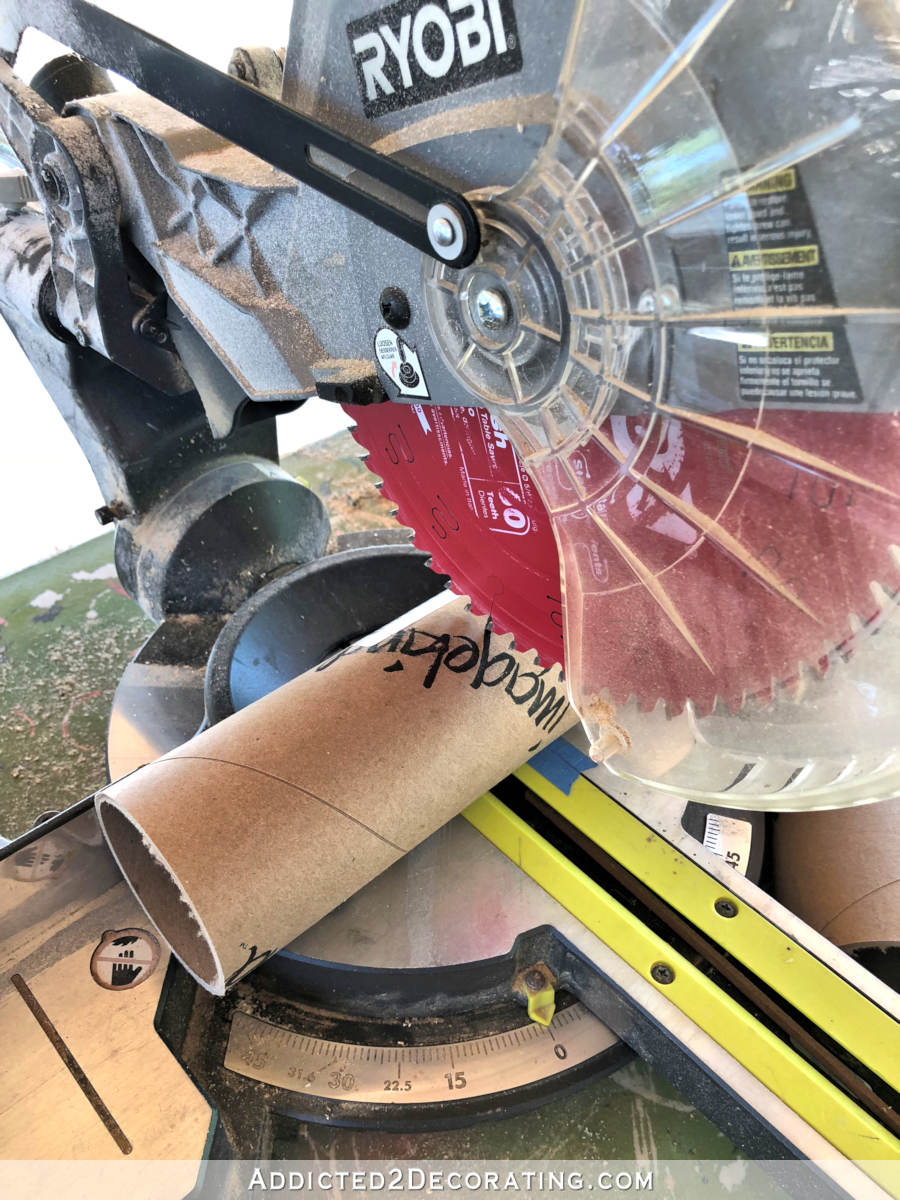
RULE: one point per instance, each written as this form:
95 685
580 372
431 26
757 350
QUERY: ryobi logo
410 52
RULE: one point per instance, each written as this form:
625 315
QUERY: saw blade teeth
880 595
468 578
421 537
386 492
499 626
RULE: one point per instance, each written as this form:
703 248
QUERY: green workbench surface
67 632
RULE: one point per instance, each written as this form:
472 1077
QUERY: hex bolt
259 66
534 979
107 513
394 308
54 185
726 908
646 304
669 301
493 308
662 973
152 331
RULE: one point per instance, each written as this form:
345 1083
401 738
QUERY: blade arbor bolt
493 308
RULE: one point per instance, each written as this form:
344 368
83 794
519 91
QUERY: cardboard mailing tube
840 872
255 829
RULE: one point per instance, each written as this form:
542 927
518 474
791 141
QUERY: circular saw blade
764 619
459 485
677 326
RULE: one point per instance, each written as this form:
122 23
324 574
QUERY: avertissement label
410 51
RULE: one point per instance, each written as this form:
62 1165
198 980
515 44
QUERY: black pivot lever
436 221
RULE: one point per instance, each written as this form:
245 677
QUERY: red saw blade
459 485
773 584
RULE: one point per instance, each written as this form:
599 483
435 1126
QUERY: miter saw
610 291
611 297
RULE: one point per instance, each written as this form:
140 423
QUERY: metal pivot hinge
74 179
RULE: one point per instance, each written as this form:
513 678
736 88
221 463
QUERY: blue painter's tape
561 763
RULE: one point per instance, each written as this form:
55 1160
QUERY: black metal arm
251 119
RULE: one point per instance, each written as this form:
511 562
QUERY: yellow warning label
775 259
817 341
781 181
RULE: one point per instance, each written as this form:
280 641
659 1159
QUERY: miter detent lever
536 985
444 227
